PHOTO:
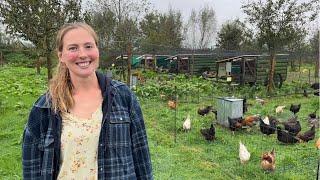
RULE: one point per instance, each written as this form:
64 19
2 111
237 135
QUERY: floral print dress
79 146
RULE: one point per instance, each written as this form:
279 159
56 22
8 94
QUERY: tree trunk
38 65
317 68
49 64
271 72
129 64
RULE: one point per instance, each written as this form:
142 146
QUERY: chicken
315 86
172 104
313 115
268 161
187 123
285 137
305 93
261 101
268 125
292 126
279 109
235 123
318 143
209 134
308 135
295 108
250 120
314 122
162 96
205 110
244 154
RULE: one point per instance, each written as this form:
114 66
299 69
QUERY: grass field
181 155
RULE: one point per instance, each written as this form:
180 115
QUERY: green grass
190 156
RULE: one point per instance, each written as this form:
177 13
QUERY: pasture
177 154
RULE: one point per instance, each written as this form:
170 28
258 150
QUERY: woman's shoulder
43 101
120 86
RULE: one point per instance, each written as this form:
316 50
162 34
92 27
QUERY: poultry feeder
229 107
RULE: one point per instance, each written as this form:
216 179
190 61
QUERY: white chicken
244 154
261 101
187 123
266 120
279 109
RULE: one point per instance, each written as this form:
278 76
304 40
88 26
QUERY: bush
19 59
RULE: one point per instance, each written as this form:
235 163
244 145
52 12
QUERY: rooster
205 110
295 108
250 120
268 160
279 109
209 134
308 135
285 137
172 104
244 154
187 123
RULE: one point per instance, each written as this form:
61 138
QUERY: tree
125 16
200 28
231 35
278 22
207 21
161 31
38 21
315 42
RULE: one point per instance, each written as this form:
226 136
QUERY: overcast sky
225 9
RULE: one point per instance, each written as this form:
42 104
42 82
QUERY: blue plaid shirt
123 151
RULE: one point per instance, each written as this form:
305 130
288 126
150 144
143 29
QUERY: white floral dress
79 146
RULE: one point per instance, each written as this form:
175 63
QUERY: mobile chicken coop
192 63
252 69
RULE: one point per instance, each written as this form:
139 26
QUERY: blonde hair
60 86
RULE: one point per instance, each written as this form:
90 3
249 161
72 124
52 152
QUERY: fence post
175 115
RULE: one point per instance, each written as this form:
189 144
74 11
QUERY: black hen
305 93
292 126
209 134
285 137
235 123
308 135
313 115
295 108
268 129
205 110
315 86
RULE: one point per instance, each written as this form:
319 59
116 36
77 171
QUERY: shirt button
101 169
120 118
101 144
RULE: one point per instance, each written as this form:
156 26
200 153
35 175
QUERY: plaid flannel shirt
123 151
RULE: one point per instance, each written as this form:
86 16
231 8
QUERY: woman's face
79 53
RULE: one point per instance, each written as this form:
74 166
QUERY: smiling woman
86 126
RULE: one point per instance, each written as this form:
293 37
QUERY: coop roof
247 57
